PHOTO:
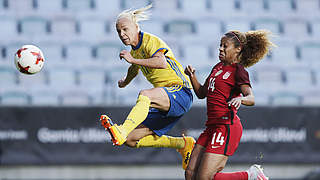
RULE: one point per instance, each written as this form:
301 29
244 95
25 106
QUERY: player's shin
137 115
162 141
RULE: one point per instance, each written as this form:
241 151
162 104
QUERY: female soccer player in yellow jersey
158 109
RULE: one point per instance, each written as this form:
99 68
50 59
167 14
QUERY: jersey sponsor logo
214 147
226 75
219 72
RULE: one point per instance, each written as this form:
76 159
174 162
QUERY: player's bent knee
131 143
220 168
145 92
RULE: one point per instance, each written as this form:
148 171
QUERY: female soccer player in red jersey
226 88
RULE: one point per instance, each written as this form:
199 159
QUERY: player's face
227 52
128 31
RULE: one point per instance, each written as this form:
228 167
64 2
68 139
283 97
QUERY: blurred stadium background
82 67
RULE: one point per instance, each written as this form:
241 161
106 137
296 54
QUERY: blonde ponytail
136 15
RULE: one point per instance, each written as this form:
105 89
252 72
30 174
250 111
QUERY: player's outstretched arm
131 74
199 90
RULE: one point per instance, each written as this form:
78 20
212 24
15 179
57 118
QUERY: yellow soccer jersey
173 75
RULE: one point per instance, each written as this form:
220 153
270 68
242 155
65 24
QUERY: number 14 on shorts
217 140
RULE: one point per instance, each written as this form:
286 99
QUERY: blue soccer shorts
161 122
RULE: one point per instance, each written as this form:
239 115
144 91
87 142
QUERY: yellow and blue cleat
114 130
186 150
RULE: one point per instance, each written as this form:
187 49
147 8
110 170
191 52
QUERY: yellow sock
162 141
137 115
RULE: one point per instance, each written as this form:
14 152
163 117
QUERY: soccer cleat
255 172
186 150
114 130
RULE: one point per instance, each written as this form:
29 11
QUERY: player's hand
121 83
126 55
235 102
189 71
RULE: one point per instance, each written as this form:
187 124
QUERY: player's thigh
211 164
159 98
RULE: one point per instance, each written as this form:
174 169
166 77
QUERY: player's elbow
163 65
161 62
200 96
250 101
253 103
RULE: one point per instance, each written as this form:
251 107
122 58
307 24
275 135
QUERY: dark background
86 148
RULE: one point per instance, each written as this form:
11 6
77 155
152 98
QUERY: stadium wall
73 135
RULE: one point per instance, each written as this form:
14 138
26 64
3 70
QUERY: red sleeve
242 76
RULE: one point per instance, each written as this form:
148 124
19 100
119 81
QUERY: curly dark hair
255 45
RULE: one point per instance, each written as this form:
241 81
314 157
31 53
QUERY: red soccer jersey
223 85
